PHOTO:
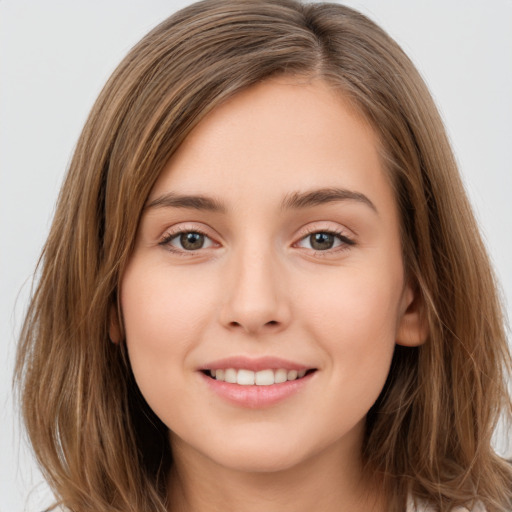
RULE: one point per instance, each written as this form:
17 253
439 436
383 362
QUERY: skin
257 287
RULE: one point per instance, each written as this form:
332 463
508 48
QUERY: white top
410 508
421 507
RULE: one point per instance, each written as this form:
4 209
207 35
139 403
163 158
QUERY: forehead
275 137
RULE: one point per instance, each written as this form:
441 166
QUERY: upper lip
254 364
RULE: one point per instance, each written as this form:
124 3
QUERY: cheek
353 302
354 317
161 304
163 313
355 324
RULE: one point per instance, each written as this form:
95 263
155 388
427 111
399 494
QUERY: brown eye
325 241
322 241
186 241
191 241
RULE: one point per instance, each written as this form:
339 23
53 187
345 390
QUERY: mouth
265 377
255 383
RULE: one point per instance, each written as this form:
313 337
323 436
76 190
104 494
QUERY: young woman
264 288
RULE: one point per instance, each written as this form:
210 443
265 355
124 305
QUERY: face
266 291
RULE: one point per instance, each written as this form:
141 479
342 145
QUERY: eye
324 241
187 241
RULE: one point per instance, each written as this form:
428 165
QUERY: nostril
253 326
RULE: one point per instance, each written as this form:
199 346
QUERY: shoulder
418 506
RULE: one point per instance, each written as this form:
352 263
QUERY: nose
255 299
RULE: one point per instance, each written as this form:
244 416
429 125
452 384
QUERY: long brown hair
429 433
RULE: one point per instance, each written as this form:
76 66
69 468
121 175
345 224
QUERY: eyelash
346 242
168 237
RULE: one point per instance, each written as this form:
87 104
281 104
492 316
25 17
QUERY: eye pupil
321 241
192 241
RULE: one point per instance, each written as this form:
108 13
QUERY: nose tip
255 300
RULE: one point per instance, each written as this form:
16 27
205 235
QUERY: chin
268 462
265 455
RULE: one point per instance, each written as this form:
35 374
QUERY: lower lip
255 397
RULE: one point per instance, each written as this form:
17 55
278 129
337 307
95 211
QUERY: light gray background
55 57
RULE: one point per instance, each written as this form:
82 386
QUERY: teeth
292 374
262 378
230 375
245 377
280 376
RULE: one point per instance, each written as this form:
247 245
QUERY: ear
114 329
412 328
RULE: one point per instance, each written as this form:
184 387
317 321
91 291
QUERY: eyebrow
194 202
295 200
311 198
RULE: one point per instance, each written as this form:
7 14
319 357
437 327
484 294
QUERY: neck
328 482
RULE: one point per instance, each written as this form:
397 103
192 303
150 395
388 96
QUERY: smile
267 377
245 392
260 382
